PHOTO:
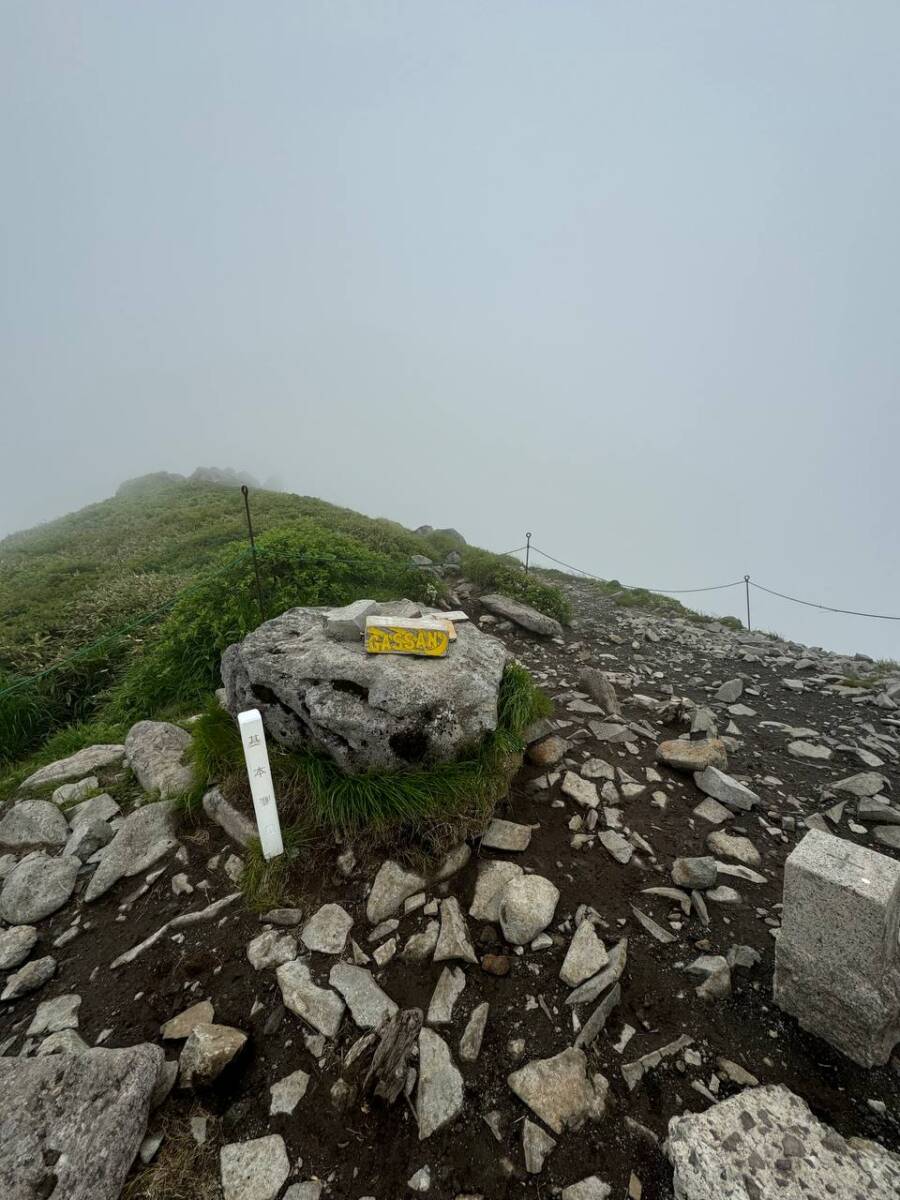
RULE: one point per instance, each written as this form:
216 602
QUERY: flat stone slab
254 1170
521 614
727 791
766 1144
585 957
693 756
72 1123
558 1090
321 1008
326 931
76 766
864 784
369 1005
810 751
506 835
582 791
439 1096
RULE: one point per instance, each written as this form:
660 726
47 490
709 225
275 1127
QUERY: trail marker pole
747 587
256 756
245 491
527 550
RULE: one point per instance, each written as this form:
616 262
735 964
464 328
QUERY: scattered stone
866 783
449 988
548 751
319 1007
69 794
453 941
810 752
155 751
712 811
327 930
558 1090
592 1188
700 873
33 825
420 1181
52 1016
16 943
254 1170
420 947
634 1071
186 1022
729 692
393 884
496 964
739 848
238 827
727 791
369 1005
37 887
836 964
271 949
470 1042
489 888
536 1145
526 908
765 1143
506 835
439 1098
207 1052
287 1093
611 973
662 935
619 847
599 688
596 1023
582 791
29 978
693 756
585 957
87 837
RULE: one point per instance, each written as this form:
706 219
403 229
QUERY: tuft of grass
497 573
277 883
215 750
182 1170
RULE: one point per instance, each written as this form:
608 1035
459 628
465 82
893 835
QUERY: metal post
527 550
259 596
747 586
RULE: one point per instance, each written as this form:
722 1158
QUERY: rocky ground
599 963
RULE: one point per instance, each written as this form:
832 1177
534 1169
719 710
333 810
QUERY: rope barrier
635 587
852 612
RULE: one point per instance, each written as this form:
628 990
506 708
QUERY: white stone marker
837 959
256 756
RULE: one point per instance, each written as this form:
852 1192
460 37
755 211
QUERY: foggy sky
621 274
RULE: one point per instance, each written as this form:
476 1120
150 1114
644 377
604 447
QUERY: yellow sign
427 638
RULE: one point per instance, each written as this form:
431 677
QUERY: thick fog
624 275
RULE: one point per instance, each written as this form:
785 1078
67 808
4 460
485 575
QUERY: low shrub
497 573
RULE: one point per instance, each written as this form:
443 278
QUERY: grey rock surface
145 836
207 1052
254 1170
765 1144
72 1123
393 884
439 1097
239 828
37 887
526 908
327 929
76 766
368 1004
320 1007
558 1090
29 978
155 751
490 884
837 966
726 790
33 825
16 943
365 710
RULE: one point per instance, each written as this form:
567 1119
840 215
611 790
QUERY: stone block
348 624
837 961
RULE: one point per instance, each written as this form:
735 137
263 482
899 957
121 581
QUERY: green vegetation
132 600
427 808
498 574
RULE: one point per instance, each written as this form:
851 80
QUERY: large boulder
364 710
32 825
37 887
72 1123
156 751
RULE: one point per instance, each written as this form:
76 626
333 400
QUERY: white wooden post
262 789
